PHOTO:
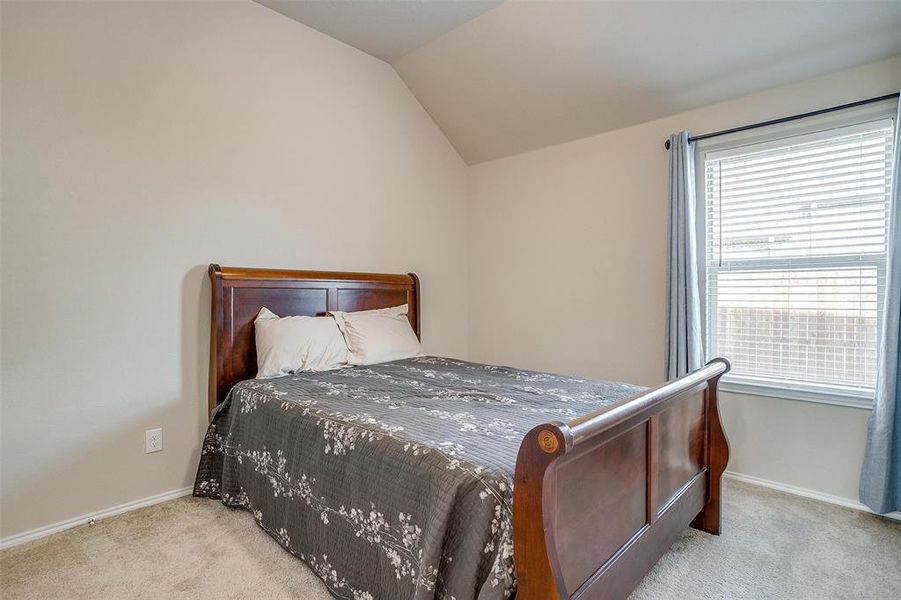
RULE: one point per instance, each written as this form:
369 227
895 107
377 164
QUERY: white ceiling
386 29
528 74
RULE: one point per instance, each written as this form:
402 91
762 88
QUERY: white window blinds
795 257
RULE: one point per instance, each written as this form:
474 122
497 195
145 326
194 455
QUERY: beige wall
143 141
567 270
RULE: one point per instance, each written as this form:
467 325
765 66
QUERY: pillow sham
377 336
288 345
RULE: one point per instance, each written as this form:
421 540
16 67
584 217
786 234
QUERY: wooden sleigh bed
597 500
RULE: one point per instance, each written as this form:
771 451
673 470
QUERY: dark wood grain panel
624 572
350 299
679 447
606 480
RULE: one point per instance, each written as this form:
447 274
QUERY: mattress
390 481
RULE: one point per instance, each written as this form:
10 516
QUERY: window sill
772 390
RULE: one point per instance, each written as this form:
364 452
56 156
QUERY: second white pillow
377 336
288 345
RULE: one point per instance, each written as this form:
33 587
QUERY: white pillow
288 345
377 336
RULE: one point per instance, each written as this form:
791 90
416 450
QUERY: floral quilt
391 481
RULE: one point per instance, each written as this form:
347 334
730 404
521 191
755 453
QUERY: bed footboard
599 499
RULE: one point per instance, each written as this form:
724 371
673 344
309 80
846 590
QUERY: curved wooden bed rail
599 499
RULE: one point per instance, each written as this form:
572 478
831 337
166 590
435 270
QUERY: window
794 248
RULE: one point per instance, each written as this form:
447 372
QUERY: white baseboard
34 534
805 493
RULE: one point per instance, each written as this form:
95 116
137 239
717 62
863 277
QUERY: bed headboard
239 293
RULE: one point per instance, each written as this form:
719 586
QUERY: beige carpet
773 546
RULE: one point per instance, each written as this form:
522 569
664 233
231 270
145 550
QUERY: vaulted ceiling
386 29
505 78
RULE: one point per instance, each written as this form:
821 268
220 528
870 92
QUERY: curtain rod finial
666 144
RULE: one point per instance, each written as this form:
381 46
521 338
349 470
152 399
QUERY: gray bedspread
392 481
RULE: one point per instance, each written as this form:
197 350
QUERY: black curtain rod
814 113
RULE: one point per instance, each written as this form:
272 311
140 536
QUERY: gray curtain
880 479
684 350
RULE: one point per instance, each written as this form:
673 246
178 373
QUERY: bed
440 478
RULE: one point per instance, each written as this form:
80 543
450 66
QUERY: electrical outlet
153 440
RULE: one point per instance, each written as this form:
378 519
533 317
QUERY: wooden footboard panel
598 500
